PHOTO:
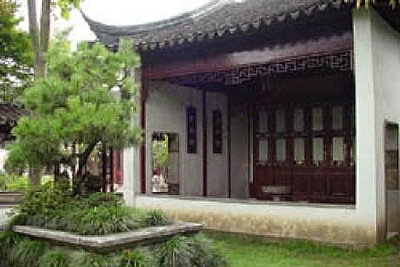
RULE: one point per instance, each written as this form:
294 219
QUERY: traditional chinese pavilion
278 117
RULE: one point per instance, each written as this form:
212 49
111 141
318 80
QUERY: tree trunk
40 42
84 157
35 174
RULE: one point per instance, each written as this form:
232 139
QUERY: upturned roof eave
146 27
144 39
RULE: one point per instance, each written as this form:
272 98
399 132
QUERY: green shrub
191 251
96 214
136 258
176 252
204 255
100 220
8 240
87 259
27 253
156 217
101 199
43 200
195 251
54 258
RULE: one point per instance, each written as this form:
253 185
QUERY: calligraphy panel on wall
191 130
217 131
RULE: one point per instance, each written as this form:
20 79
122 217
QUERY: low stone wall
10 198
335 224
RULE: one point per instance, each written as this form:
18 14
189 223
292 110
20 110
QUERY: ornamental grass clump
89 259
136 258
27 253
182 251
54 258
56 208
189 251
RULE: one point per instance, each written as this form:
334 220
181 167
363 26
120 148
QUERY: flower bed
53 228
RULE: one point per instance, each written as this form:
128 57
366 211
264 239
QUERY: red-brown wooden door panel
300 183
306 148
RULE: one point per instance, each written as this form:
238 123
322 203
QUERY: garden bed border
111 242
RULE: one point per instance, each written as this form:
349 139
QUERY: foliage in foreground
193 251
54 207
77 108
15 53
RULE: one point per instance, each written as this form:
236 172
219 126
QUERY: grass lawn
243 251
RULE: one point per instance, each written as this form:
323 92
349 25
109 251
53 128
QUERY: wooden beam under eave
212 63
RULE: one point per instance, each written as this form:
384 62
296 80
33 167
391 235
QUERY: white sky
117 12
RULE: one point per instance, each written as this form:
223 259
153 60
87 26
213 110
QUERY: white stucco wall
166 112
377 62
386 60
217 164
334 224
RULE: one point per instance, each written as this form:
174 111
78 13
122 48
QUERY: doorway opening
392 179
165 163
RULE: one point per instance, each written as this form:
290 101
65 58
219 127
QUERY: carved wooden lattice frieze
340 61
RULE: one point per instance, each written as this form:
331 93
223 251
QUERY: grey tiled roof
10 113
216 19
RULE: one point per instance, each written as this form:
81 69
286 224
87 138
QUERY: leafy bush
54 207
176 252
43 200
27 253
99 220
8 240
204 254
101 199
194 251
54 258
136 258
156 217
87 259
191 251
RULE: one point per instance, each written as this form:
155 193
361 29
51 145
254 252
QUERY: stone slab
112 242
10 198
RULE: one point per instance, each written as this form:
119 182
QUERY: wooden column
143 97
228 118
112 170
204 107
